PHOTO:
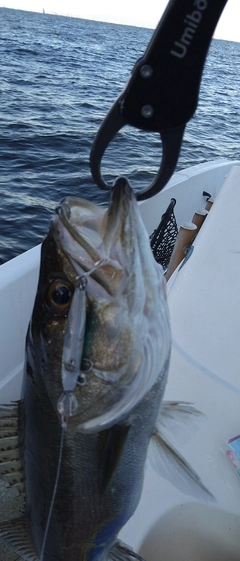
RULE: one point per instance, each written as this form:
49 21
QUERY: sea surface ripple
59 77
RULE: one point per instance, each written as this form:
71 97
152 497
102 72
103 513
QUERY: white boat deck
18 284
204 303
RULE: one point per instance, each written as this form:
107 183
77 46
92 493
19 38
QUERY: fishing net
163 238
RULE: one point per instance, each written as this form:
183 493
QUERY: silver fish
97 354
96 264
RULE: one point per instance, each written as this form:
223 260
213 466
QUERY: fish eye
59 295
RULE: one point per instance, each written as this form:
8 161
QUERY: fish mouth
93 236
110 250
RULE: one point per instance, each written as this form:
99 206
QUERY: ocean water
59 77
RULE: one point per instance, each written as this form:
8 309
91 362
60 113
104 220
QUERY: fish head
99 335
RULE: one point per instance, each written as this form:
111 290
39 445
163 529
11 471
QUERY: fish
97 358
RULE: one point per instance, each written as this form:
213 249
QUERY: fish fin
11 471
112 443
122 552
14 535
178 420
171 465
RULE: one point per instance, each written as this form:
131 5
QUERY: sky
132 12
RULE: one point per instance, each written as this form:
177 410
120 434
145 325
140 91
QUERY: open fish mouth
117 333
91 235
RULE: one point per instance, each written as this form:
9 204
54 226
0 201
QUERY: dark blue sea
59 77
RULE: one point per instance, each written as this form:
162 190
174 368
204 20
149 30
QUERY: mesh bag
162 240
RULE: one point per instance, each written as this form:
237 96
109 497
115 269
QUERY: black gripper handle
162 92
